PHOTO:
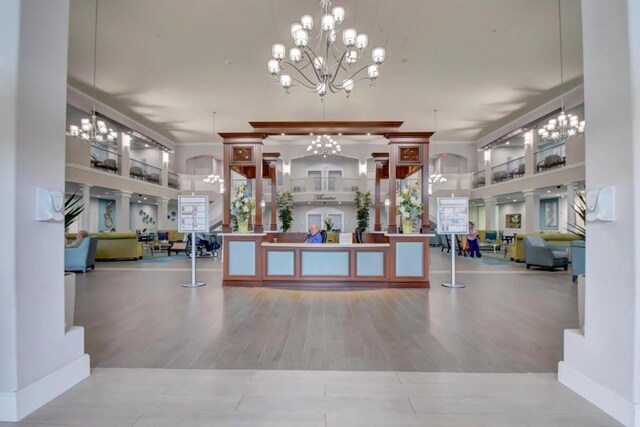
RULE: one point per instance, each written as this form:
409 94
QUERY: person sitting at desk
314 235
201 239
80 235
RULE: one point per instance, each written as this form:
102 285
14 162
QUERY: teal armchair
577 259
537 253
82 257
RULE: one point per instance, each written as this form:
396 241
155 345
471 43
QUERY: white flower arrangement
408 204
328 223
243 205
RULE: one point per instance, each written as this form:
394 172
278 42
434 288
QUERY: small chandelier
93 130
436 178
317 69
213 179
565 125
324 145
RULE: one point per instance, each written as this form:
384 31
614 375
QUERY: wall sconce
528 139
387 202
221 188
263 204
487 156
286 168
165 158
363 168
126 141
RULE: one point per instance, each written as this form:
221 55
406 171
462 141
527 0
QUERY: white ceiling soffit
175 62
84 102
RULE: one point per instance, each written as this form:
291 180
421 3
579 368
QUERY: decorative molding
330 127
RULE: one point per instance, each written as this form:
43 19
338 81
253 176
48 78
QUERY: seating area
107 164
517 172
82 257
538 253
563 240
551 161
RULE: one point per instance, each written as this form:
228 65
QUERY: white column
163 211
490 214
123 211
125 160
164 175
488 175
85 220
39 360
602 363
531 211
571 195
529 153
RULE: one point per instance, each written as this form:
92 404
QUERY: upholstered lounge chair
500 176
110 165
539 254
81 257
552 161
518 172
136 172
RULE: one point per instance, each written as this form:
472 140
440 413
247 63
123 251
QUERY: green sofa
113 246
487 244
517 251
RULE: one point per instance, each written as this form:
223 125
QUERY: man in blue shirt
314 235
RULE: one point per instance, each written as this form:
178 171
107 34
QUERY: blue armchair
577 259
539 254
81 257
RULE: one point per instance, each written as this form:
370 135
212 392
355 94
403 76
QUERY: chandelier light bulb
285 81
307 22
328 22
295 27
278 51
348 85
301 38
352 57
318 62
349 36
295 54
378 55
332 36
373 72
338 14
274 66
321 89
362 40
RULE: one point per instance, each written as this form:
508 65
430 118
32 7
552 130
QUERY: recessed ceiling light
368 134
548 191
514 200
144 198
339 133
146 145
507 143
106 192
282 134
309 202
139 201
311 134
339 203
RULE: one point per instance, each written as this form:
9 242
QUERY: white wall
511 208
348 165
188 151
150 156
38 359
603 364
504 154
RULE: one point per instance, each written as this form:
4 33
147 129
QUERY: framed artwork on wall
549 214
513 221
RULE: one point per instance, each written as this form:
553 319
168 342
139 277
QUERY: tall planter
363 204
285 207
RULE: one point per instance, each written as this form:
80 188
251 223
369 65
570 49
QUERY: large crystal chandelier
93 130
436 178
565 125
324 67
324 145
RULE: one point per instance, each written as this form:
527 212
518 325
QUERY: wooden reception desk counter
384 260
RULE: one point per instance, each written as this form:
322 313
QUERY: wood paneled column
408 154
242 153
270 161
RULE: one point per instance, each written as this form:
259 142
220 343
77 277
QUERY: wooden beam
328 127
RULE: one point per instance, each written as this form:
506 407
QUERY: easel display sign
193 214
453 215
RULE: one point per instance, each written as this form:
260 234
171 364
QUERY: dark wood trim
426 284
393 160
258 257
329 127
417 281
274 193
377 226
409 137
424 227
226 197
258 226
242 137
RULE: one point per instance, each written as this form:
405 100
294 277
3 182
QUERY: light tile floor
194 398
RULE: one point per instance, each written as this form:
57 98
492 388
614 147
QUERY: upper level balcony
324 184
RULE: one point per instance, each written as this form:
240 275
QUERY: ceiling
169 64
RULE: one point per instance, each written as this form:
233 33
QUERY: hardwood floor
136 315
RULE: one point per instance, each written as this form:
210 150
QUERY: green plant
285 207
243 204
579 206
72 208
408 204
363 204
328 223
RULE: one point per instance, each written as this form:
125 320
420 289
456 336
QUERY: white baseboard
14 406
616 406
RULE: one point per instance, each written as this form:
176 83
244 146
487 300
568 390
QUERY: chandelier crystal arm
339 66
306 52
313 85
358 72
303 83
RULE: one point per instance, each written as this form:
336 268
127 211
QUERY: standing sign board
453 218
193 217
453 215
193 214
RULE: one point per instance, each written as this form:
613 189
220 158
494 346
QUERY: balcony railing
508 170
174 181
314 184
551 156
145 172
105 159
477 179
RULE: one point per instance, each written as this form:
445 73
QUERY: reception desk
389 260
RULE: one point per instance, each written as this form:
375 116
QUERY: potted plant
242 207
72 209
408 206
285 207
363 204
328 223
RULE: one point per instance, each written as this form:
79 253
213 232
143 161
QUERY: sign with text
193 214
453 215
